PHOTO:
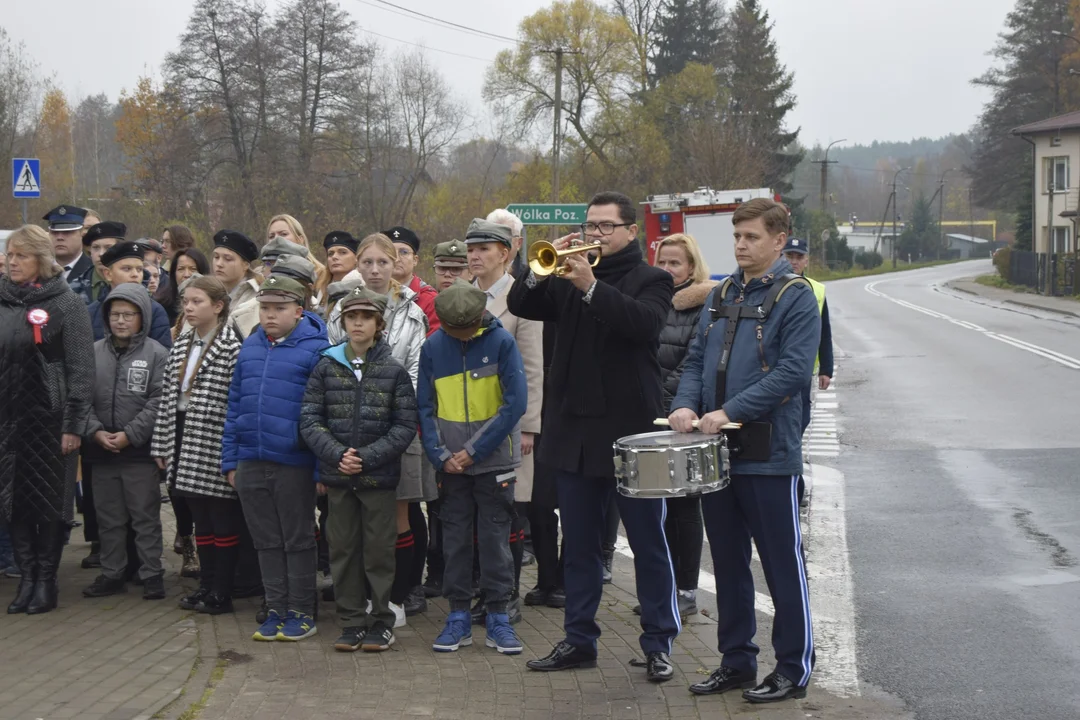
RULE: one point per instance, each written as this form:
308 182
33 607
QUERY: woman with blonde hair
46 388
680 256
406 328
289 228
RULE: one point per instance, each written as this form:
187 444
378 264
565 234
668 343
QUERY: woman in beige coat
490 249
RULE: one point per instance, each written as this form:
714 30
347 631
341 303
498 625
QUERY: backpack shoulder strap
777 290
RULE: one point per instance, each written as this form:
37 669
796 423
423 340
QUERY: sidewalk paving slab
123 658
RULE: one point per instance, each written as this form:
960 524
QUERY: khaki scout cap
451 254
363 299
461 305
281 288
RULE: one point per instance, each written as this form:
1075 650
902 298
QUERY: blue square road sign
26 177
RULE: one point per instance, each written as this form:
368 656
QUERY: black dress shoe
536 596
215 603
557 599
105 586
724 679
563 656
658 667
774 688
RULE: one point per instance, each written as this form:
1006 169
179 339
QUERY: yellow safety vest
819 295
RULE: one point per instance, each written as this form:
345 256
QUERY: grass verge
823 275
996 281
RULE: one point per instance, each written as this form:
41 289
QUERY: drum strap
735 312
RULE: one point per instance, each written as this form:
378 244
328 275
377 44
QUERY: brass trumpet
545 260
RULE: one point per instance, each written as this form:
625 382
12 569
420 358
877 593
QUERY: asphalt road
961 462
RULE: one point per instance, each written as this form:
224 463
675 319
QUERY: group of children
249 431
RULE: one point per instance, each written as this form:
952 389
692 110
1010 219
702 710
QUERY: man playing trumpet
605 384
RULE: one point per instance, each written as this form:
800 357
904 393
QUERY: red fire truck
706 215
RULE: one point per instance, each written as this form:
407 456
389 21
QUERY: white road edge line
1060 358
832 592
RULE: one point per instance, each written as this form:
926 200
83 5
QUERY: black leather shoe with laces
658 667
724 679
774 688
563 656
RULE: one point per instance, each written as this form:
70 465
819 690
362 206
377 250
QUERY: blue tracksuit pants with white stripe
765 508
583 504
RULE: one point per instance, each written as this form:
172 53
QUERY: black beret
342 238
401 234
121 250
238 242
103 231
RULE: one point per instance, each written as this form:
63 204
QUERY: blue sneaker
297 627
456 634
270 628
501 635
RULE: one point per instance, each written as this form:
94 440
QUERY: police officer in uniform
798 254
749 363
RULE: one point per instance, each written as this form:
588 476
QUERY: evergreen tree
687 31
921 236
760 92
1030 83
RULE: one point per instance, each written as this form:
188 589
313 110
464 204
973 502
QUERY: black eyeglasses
604 228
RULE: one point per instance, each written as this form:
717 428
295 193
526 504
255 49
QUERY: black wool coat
621 326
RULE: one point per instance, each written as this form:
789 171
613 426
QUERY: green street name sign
531 214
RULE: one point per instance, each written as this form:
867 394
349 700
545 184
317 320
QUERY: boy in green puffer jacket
358 417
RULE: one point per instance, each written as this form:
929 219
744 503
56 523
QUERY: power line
425 47
439 21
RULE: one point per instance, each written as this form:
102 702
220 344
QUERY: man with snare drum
604 384
755 347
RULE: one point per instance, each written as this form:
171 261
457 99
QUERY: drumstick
665 423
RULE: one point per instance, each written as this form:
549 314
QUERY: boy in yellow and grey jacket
471 395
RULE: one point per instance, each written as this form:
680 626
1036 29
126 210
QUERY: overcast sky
864 69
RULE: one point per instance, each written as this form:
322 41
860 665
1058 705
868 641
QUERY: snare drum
671 464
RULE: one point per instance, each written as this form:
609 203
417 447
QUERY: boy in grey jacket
130 369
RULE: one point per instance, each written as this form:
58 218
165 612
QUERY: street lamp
1058 33
825 172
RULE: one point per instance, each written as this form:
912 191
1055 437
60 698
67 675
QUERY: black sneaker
378 638
351 639
189 602
154 588
103 587
263 613
415 602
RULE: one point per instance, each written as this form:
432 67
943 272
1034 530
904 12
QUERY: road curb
1035 306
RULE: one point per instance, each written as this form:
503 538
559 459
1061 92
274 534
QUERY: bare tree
20 88
640 16
224 69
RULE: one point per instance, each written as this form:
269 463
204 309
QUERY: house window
1061 239
1056 172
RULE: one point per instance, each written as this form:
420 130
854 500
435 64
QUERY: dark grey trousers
362 531
490 499
122 492
279 508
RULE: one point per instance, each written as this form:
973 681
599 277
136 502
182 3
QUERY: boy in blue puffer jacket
264 458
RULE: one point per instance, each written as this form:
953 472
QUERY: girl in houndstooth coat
188 432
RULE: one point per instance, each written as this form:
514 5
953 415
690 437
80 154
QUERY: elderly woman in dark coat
46 376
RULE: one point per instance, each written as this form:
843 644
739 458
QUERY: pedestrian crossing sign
26 177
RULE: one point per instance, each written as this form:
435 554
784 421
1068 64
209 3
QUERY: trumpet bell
545 260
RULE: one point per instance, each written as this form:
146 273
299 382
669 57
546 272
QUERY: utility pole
896 214
939 194
825 173
1047 290
556 140
556 151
